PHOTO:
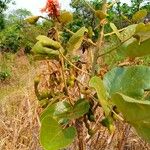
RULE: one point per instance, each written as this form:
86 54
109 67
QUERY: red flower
52 7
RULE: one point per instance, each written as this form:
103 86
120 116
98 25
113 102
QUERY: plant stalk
100 41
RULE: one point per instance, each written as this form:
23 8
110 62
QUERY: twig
117 116
113 49
111 33
44 18
97 51
100 41
72 63
114 2
92 9
68 30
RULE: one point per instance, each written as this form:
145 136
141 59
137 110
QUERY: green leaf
56 110
138 44
44 51
98 85
142 31
134 48
114 28
49 43
63 110
131 81
90 32
128 32
108 122
53 137
136 112
139 15
80 108
75 41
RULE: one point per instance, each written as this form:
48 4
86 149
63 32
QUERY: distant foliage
10 38
3 7
17 34
4 75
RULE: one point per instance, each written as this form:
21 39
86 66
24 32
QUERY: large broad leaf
124 36
131 81
138 45
75 41
142 32
139 15
63 110
80 108
132 48
44 51
128 32
135 112
98 84
49 43
56 110
53 137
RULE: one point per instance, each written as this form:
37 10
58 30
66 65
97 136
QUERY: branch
72 63
92 9
111 33
100 41
114 2
113 49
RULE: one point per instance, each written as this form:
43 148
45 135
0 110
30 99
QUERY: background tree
83 15
18 15
3 8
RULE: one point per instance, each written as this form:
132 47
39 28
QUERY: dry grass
19 125
19 129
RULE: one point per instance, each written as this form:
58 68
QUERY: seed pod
65 17
44 51
32 20
100 15
49 43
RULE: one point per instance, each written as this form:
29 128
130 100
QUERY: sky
35 5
